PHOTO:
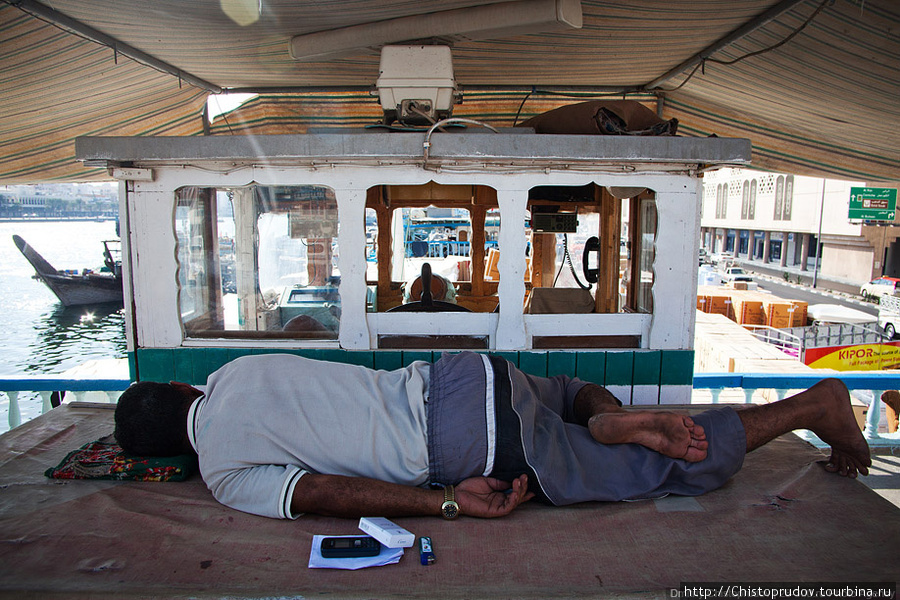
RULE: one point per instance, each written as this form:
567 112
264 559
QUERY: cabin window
258 262
577 253
646 234
454 229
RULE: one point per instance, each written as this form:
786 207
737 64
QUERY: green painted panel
667 367
533 363
512 357
183 363
619 368
234 353
208 361
562 363
412 356
363 358
330 354
677 367
591 366
155 364
388 360
646 367
132 366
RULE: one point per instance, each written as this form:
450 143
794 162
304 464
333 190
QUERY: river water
38 335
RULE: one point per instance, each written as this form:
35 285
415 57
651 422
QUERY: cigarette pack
387 532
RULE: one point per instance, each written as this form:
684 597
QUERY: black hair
151 419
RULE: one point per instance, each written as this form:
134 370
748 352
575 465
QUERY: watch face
450 510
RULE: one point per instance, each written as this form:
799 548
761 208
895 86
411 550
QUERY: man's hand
489 497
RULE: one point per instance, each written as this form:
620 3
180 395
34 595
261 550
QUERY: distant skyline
60 189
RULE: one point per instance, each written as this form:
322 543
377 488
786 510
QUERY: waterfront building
784 220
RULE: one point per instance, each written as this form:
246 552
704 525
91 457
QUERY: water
38 335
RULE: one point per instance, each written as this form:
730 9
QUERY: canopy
815 86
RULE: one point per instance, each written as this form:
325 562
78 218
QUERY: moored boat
74 288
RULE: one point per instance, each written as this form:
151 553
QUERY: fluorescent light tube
488 21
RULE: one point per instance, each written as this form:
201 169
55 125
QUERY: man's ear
186 389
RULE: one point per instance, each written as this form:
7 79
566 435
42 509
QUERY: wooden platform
782 518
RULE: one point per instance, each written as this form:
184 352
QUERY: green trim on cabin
620 368
562 363
533 363
646 368
591 366
677 368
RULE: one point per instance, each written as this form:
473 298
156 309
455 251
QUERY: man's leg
825 410
668 433
569 466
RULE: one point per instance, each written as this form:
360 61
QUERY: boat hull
73 290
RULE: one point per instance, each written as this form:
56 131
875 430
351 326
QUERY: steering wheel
427 303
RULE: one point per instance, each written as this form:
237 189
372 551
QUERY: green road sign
873 204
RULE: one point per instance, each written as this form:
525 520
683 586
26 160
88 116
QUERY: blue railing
47 385
876 381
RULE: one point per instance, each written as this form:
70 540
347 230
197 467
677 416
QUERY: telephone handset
592 275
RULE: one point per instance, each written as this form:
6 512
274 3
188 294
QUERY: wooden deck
782 518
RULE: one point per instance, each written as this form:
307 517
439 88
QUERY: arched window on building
788 197
745 201
779 197
751 211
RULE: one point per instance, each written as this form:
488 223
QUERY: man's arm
339 496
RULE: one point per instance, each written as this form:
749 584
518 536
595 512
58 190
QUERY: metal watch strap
450 508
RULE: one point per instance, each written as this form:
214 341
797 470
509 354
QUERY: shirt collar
192 422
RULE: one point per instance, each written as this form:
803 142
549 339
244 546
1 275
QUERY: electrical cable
567 259
704 60
774 46
426 146
565 95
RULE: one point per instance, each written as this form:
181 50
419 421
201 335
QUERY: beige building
779 220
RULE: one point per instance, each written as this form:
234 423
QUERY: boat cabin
381 248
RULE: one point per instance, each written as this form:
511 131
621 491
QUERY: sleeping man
279 435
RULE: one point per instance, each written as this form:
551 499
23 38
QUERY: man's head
151 418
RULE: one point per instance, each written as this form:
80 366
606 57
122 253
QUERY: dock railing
877 382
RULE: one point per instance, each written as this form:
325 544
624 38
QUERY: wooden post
376 200
485 198
607 295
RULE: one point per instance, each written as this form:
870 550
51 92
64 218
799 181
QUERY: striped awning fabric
825 102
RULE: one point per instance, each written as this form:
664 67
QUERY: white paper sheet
387 556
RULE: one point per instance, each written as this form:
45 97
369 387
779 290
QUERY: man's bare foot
668 433
836 425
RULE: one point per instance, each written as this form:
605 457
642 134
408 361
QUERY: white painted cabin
188 313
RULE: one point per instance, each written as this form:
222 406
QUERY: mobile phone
350 547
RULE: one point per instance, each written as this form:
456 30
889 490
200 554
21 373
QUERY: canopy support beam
36 9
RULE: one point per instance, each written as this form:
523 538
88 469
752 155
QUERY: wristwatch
450 508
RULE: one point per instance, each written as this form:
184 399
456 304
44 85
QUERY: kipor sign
862 357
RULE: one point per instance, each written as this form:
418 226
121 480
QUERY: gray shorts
500 421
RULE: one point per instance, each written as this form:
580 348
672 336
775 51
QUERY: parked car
705 258
733 274
889 315
879 287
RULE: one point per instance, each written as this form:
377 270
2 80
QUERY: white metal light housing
415 83
487 21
